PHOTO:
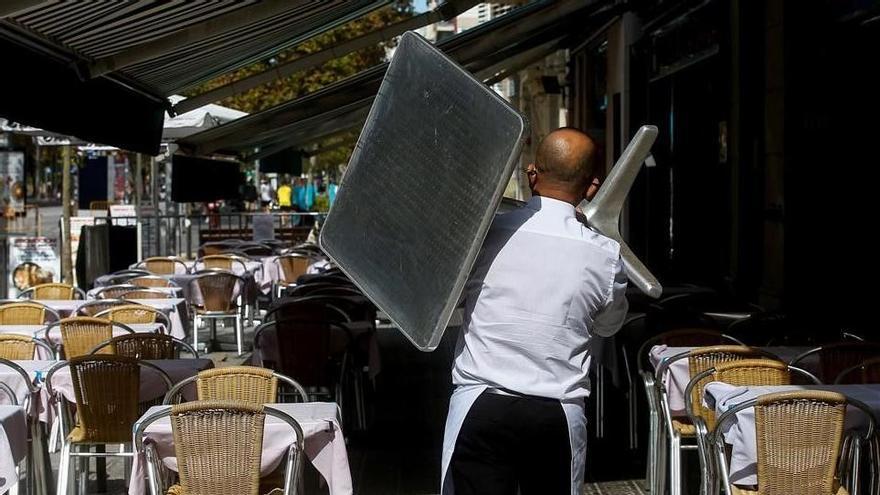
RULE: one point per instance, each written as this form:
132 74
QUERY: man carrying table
542 287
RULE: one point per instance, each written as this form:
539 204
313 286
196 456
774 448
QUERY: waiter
543 286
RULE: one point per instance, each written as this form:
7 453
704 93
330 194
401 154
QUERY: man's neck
559 195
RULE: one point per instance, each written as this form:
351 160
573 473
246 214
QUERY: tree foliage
310 80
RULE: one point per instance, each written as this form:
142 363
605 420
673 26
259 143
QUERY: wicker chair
163 266
141 293
151 281
96 306
107 391
148 346
54 292
290 267
123 276
218 445
699 360
136 314
833 359
15 347
27 313
684 337
219 292
745 372
80 334
114 291
241 383
229 262
862 373
799 438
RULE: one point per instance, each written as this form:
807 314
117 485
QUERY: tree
308 81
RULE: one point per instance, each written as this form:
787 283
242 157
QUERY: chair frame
34 340
177 390
29 292
819 349
673 439
656 469
233 258
126 275
142 264
873 362
177 342
98 294
70 450
99 302
279 286
213 316
708 477
150 309
58 349
850 448
295 453
46 310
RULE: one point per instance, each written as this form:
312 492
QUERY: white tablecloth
740 433
13 443
36 370
324 444
678 375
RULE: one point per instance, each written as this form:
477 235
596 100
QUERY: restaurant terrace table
740 433
324 444
13 444
35 370
678 375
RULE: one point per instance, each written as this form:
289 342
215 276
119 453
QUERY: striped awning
96 61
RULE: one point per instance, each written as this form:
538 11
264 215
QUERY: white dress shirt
543 285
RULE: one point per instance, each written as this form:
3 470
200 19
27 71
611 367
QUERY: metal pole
65 218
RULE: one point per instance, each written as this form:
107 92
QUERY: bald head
566 158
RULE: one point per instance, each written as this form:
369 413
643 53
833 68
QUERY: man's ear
592 188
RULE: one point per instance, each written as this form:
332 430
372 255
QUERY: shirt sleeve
611 317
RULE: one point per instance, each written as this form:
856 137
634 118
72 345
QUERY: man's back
542 286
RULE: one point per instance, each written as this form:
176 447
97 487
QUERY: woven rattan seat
146 294
218 445
242 383
115 291
95 307
23 313
135 314
16 347
55 292
148 346
81 334
107 390
163 266
151 281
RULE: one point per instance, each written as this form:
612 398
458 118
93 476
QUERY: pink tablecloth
35 370
13 444
324 444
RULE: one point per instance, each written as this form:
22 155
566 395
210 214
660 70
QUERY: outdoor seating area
125 373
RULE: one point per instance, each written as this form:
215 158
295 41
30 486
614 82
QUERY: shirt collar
550 205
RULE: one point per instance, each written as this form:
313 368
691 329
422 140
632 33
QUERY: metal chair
315 351
150 281
220 291
228 262
15 347
865 372
114 291
147 346
833 359
80 334
159 265
106 389
699 360
123 276
92 308
27 313
746 372
218 445
799 441
134 314
685 337
62 292
241 383
290 267
141 293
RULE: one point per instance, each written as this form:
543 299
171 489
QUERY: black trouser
510 442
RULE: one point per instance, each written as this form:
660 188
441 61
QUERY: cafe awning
72 65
